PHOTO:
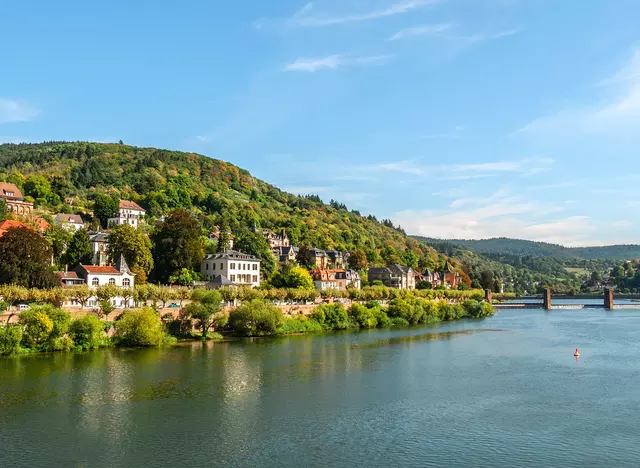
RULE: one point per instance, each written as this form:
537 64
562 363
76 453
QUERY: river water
501 392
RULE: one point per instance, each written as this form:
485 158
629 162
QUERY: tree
256 318
186 277
105 207
486 279
25 259
205 309
292 277
256 245
78 250
140 327
4 210
358 260
133 244
38 187
81 294
410 259
104 294
224 240
58 237
176 245
87 332
37 327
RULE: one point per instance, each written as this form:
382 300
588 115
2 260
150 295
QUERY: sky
453 118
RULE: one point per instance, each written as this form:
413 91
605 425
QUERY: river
500 392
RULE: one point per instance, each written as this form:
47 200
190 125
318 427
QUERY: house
99 246
12 196
328 279
71 222
353 279
129 212
446 279
240 268
285 254
119 275
315 258
10 224
41 224
69 278
394 276
274 240
335 259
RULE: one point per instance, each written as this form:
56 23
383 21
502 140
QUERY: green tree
176 245
486 279
256 245
205 309
292 277
140 327
25 259
37 187
133 244
185 277
358 260
105 207
256 318
224 240
10 338
410 259
58 237
87 332
78 249
37 327
4 210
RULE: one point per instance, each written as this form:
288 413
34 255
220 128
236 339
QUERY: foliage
300 324
363 316
331 316
59 238
358 260
292 277
256 245
78 250
87 332
105 207
140 327
185 277
133 244
176 245
4 210
25 256
37 327
205 310
256 318
10 338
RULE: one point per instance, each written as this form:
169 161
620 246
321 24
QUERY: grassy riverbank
46 328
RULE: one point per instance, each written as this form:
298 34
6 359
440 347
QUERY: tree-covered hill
68 176
524 248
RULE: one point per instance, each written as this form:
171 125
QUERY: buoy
576 354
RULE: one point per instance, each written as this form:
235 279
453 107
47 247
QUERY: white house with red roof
129 212
119 275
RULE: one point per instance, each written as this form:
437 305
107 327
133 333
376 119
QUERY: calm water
503 392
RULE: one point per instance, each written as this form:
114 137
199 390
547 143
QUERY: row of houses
403 277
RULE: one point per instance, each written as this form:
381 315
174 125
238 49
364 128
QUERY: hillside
62 177
525 248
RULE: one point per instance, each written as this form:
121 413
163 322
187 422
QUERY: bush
87 332
300 324
399 322
256 318
37 327
331 316
61 343
61 320
363 316
140 327
10 337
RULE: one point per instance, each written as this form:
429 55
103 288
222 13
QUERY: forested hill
218 193
525 248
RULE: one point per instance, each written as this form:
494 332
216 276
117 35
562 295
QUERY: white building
128 213
237 267
119 275
71 222
99 245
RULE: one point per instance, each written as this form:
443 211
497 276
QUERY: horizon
456 120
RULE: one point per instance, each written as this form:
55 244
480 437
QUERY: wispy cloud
425 30
450 135
331 62
12 110
527 166
408 166
619 115
306 17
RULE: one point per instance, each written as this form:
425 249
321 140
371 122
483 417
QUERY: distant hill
525 248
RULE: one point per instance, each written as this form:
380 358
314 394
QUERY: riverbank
45 328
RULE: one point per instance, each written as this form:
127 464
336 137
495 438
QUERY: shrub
61 343
60 319
37 327
140 327
10 337
87 332
300 324
256 318
363 316
399 322
331 316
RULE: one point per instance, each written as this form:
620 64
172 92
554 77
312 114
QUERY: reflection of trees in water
411 339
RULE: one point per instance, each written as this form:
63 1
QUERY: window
244 266
232 277
95 282
255 267
222 266
255 278
206 266
232 266
126 282
112 281
213 266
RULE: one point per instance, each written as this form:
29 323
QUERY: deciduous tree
25 259
133 244
78 250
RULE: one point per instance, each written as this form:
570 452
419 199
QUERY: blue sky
454 118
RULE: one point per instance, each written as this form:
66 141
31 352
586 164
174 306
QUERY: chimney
66 269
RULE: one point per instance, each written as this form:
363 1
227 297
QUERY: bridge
547 303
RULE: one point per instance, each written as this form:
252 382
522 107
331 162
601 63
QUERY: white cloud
405 167
202 138
332 62
528 166
620 115
305 19
473 38
425 30
12 110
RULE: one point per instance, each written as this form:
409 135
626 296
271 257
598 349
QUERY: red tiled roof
130 205
9 187
67 275
11 224
42 224
100 270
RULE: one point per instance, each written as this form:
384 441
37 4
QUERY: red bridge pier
547 299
